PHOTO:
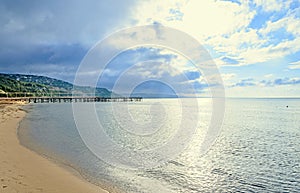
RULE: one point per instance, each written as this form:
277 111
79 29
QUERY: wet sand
22 170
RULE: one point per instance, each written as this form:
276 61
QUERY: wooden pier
71 99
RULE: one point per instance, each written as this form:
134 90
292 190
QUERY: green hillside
15 84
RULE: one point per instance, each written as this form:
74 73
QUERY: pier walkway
70 99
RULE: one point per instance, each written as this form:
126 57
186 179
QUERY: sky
255 44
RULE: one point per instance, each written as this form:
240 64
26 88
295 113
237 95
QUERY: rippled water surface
258 147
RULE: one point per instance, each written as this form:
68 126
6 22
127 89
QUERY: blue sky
255 44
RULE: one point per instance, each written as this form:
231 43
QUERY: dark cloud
267 83
154 88
192 75
57 61
228 60
132 59
144 65
51 37
43 54
60 21
282 81
244 83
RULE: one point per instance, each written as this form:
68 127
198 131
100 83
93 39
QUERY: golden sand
23 171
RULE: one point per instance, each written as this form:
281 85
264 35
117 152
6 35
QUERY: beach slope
22 170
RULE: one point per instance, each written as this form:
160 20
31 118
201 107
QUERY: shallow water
257 149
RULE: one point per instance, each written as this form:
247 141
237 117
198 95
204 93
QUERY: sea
159 145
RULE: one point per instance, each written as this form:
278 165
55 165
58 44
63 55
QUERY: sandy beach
24 171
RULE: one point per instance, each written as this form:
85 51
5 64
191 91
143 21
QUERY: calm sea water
257 149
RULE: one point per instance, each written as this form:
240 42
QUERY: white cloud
147 12
251 46
263 54
268 75
242 46
294 65
213 18
272 26
293 23
223 25
228 76
200 18
209 22
289 22
272 5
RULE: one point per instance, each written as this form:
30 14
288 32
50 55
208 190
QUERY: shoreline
22 170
